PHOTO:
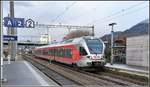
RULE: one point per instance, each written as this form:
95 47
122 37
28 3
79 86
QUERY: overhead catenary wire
116 13
104 21
62 13
136 10
131 12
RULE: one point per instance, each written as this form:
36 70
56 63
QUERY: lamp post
112 42
93 30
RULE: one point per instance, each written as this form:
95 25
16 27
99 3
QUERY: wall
137 51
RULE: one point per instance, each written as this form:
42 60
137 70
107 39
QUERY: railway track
58 78
112 77
115 77
142 81
69 76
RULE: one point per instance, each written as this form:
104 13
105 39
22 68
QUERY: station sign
18 22
30 23
13 22
9 38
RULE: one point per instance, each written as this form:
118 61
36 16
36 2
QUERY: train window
51 52
95 46
68 53
61 52
57 52
54 52
65 52
82 51
45 52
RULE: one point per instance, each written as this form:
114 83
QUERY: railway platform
142 71
22 73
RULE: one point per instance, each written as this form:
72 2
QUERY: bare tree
77 33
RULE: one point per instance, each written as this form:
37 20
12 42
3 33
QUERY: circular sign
30 23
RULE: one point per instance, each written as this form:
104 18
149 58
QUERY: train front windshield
95 46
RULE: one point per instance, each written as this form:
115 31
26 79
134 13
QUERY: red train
85 51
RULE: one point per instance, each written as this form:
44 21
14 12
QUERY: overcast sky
97 13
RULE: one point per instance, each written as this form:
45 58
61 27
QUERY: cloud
23 3
82 13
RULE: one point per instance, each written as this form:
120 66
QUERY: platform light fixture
112 42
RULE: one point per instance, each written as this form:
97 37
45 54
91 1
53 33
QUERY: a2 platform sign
18 22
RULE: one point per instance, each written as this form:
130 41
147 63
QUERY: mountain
107 37
138 29
145 21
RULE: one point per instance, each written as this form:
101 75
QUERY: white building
44 39
137 50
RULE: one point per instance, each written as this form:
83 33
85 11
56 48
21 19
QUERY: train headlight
103 56
89 63
88 57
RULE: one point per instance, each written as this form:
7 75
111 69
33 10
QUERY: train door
82 51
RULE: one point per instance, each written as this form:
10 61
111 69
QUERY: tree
77 33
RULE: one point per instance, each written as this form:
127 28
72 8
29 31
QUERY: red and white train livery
87 51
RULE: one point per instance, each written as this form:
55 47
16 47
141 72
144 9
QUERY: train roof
55 45
67 42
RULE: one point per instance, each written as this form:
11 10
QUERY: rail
104 79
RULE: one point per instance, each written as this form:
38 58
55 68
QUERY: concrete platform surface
134 69
24 74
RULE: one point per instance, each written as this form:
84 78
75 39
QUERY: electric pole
12 31
112 42
93 30
48 35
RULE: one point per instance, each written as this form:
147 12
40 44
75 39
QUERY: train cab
92 52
